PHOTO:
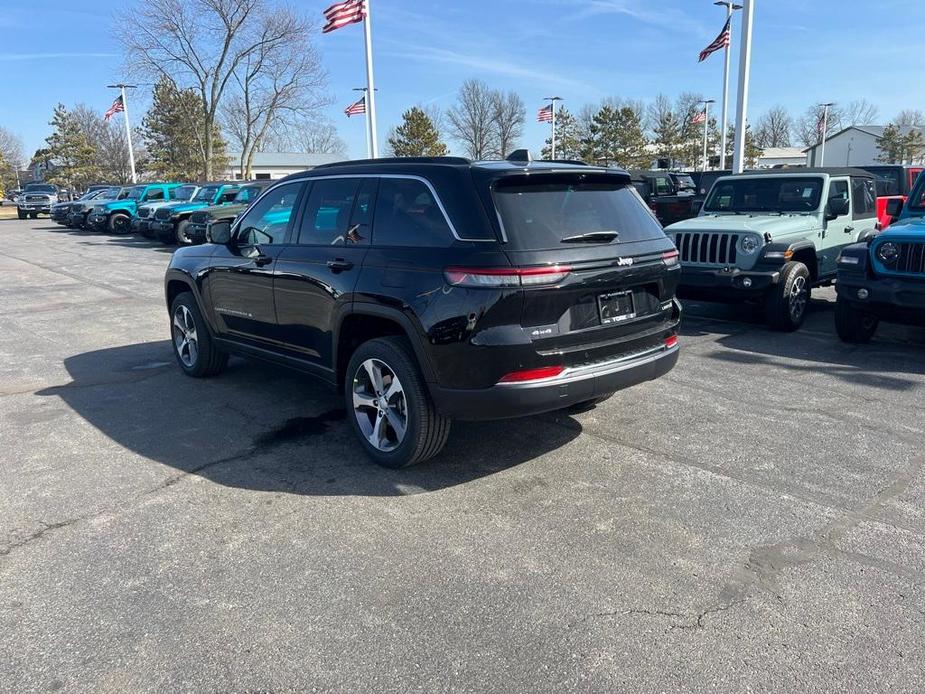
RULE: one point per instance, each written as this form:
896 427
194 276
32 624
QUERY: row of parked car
173 213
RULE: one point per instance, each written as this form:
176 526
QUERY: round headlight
888 253
748 244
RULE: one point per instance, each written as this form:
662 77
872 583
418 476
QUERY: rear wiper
592 237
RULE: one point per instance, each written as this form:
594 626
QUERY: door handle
339 264
848 230
262 260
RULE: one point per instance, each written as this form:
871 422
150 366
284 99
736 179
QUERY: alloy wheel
379 405
185 339
798 299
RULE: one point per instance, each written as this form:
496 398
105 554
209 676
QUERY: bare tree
11 158
909 117
773 128
310 134
808 128
861 112
109 142
509 116
205 43
472 120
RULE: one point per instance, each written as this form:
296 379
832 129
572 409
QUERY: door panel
318 274
838 230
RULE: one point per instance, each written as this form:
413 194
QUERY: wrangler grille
911 257
144 212
162 214
707 248
199 217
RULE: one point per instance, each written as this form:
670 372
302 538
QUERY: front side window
407 214
917 197
268 220
770 194
547 211
662 186
206 194
838 190
155 194
182 192
326 221
135 193
864 198
247 193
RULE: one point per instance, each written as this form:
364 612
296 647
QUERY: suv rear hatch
596 264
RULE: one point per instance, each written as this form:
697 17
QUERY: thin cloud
642 11
9 57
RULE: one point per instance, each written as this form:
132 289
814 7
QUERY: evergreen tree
666 131
752 150
417 136
173 130
72 159
629 146
897 148
568 137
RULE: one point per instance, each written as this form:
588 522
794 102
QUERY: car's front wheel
853 325
183 237
391 410
193 346
22 214
120 223
788 302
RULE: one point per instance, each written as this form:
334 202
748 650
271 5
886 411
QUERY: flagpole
825 127
128 128
552 105
370 87
706 122
369 154
745 64
730 6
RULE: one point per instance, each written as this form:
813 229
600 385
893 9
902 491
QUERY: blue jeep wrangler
884 278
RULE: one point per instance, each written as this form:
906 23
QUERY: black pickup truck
669 194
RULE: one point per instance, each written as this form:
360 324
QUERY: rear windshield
684 182
770 194
539 214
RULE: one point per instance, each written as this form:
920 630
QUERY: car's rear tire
21 214
34 215
788 302
182 237
389 407
853 325
120 223
193 346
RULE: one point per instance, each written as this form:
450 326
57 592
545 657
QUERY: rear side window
408 215
327 211
539 214
864 198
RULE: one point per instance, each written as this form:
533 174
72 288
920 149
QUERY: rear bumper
572 386
895 300
725 283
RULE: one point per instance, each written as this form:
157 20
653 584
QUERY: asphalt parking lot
753 521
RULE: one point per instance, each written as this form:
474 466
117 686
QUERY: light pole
128 128
552 100
730 6
706 125
745 65
825 127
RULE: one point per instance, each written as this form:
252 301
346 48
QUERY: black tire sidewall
401 362
180 235
114 223
849 323
204 340
778 304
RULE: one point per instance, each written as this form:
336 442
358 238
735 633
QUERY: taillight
506 276
671 341
539 374
670 258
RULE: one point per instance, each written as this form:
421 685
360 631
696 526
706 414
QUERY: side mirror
894 207
218 232
836 208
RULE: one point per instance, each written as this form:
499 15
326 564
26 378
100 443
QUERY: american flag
357 108
117 107
340 14
721 41
544 115
699 117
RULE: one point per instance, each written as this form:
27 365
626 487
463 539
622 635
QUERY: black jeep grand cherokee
434 289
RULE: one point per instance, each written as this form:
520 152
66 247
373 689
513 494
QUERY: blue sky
804 51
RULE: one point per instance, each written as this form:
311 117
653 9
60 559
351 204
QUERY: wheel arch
361 322
176 282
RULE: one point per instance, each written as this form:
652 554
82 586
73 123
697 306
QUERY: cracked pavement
752 522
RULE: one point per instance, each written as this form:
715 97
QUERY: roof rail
458 161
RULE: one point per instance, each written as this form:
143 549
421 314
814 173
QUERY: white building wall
851 148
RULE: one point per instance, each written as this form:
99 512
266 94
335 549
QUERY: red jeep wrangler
893 181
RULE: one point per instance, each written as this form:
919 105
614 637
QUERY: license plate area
616 307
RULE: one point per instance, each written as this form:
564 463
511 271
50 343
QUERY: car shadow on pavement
261 427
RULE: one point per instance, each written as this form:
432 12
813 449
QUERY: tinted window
864 197
408 215
327 211
267 221
539 214
182 192
771 194
888 181
838 190
917 197
248 193
155 194
662 186
206 194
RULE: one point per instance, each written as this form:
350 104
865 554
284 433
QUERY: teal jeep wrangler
770 237
171 221
116 215
884 278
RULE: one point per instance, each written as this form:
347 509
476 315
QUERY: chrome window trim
413 177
